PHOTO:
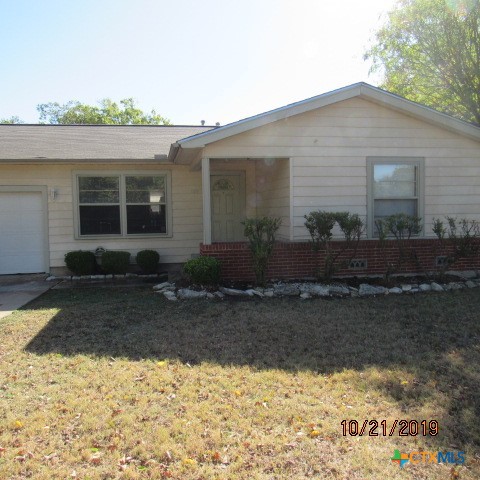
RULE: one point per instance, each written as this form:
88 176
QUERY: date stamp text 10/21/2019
403 428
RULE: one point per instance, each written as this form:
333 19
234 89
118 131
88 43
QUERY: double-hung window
394 186
120 204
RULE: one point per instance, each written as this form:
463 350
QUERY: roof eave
51 160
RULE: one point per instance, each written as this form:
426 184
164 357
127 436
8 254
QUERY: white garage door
22 232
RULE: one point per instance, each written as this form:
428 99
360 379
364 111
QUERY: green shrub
80 262
203 270
115 263
399 227
261 236
456 240
148 261
320 226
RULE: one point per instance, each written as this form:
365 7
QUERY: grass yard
121 384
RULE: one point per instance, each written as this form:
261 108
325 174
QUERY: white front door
228 206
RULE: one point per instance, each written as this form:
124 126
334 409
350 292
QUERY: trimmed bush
148 261
80 262
203 270
261 237
115 263
320 226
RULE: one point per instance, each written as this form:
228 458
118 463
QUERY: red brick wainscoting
296 260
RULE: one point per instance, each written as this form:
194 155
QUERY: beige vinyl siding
328 148
273 192
187 227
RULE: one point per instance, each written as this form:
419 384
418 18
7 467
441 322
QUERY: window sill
124 237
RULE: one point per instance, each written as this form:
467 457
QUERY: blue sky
216 60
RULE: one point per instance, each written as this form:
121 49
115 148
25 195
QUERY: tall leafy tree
429 52
106 113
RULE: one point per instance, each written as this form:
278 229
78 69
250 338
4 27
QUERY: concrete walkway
18 290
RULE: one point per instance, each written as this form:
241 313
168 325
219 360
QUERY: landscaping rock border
305 291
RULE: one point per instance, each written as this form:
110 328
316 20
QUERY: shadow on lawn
435 337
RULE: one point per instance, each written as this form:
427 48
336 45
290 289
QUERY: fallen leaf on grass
189 462
17 425
454 474
22 455
95 459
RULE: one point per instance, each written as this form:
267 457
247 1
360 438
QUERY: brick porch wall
296 260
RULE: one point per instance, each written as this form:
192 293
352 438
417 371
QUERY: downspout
173 153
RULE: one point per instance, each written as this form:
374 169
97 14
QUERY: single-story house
184 190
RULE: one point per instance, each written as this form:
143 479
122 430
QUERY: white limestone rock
339 290
164 285
436 287
186 293
233 292
255 292
395 290
170 296
287 290
318 290
366 290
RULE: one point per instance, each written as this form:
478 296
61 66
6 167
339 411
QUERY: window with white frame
394 186
122 204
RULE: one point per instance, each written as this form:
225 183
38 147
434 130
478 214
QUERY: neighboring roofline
100 125
158 159
362 90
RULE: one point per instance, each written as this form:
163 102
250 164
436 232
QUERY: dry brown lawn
121 384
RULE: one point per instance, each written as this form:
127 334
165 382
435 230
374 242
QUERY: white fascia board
202 139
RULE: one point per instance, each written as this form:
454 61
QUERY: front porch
236 188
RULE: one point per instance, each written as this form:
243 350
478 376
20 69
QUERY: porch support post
207 212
